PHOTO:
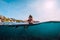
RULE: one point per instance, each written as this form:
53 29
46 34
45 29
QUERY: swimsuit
29 21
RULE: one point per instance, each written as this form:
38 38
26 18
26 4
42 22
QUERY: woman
30 19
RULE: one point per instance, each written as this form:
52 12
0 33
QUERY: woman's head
30 16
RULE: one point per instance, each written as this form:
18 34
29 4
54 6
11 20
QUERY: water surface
43 31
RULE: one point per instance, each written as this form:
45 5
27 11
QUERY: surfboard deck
18 24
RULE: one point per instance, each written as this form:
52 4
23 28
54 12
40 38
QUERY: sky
42 10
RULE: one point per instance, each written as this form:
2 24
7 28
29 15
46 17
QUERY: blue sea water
43 31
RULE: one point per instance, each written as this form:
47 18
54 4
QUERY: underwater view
49 30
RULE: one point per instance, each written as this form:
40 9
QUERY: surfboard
14 24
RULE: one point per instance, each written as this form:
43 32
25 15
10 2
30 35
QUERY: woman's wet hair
30 16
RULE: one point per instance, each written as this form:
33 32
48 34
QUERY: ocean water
43 31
